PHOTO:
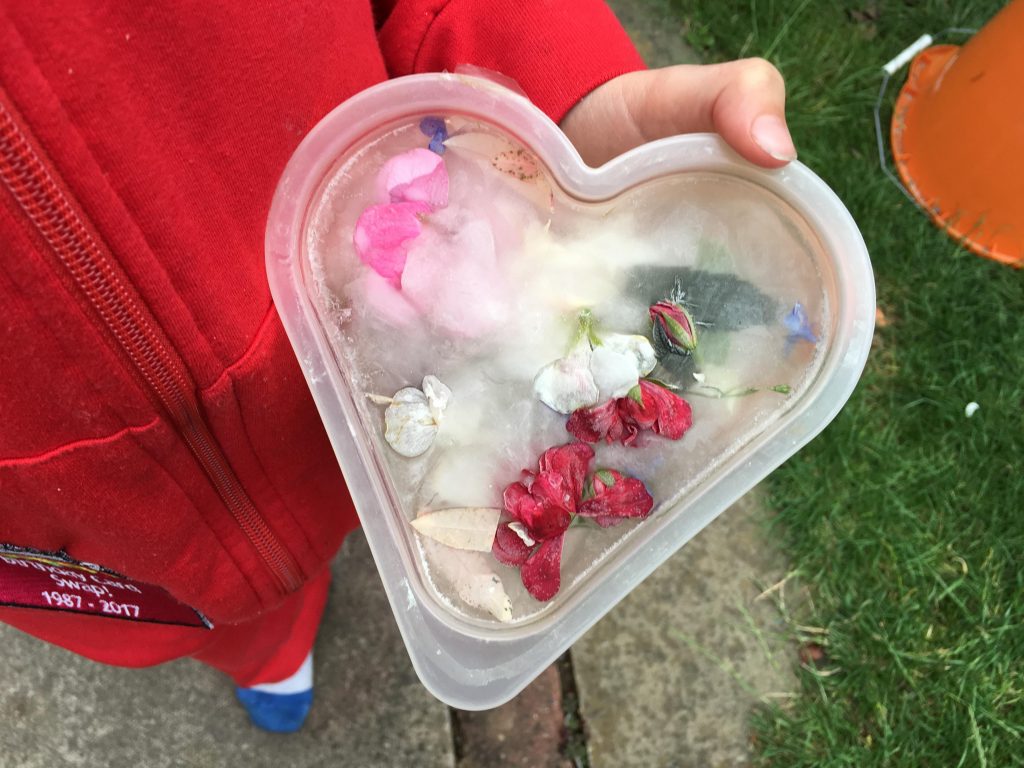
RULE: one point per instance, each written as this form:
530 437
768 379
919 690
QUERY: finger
743 101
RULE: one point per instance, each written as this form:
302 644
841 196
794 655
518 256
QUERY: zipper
91 267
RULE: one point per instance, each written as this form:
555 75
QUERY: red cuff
557 50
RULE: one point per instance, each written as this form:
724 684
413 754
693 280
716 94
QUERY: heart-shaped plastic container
771 262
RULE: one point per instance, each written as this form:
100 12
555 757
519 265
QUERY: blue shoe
281 707
276 712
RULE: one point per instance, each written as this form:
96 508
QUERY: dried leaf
472 578
469 528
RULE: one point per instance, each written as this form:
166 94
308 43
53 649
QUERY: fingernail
769 132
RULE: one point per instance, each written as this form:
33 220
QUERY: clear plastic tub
773 265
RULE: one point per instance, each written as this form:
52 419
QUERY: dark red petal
617 500
601 422
520 503
571 462
555 506
674 414
662 411
541 573
508 547
639 415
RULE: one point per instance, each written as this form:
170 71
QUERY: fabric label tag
53 582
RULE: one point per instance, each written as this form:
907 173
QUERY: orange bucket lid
958 137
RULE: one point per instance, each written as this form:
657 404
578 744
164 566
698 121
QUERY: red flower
543 504
648 406
611 498
674 328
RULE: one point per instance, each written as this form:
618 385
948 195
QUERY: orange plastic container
958 137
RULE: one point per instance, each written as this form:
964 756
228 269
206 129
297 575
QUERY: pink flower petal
383 233
616 498
508 547
418 175
571 462
454 277
541 573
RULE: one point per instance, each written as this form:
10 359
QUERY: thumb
743 101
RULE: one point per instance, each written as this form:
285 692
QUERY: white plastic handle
899 61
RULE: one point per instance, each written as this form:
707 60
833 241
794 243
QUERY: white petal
638 346
438 396
520 530
566 385
409 426
970 409
471 576
469 528
620 362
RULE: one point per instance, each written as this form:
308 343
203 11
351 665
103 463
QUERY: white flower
595 370
413 416
619 362
567 383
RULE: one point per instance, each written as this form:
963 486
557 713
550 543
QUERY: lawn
904 520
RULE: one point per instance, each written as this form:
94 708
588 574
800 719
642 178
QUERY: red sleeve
557 50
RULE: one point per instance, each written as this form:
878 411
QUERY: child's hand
743 101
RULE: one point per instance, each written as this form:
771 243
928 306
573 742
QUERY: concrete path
670 676
62 710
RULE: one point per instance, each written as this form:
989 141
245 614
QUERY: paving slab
669 678
370 712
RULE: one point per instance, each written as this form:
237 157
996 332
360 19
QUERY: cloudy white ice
492 291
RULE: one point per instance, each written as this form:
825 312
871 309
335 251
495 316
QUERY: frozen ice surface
491 293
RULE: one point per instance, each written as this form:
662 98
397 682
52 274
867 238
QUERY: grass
905 519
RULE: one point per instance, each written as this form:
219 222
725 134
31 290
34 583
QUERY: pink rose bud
674 328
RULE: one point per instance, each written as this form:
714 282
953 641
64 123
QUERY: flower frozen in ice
383 233
654 407
596 368
674 327
437 131
567 384
410 186
798 325
413 416
418 175
544 503
648 407
619 361
610 497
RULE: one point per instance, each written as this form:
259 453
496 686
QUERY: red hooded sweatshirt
153 419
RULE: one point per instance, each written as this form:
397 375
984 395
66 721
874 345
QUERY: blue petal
431 125
436 144
798 325
435 128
